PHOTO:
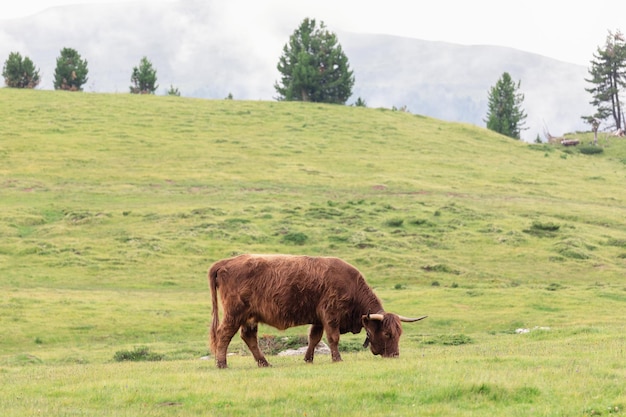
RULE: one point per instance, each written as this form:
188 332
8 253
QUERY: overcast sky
568 31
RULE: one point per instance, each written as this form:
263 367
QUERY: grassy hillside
114 206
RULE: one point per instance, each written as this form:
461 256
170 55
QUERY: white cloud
569 32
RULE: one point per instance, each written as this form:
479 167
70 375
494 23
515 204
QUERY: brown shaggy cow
287 290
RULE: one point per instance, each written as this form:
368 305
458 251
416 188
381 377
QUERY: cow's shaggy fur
287 290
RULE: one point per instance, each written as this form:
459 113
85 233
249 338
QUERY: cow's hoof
263 363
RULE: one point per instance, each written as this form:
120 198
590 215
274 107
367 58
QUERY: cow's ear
365 320
370 323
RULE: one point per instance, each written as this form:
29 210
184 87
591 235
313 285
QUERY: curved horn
378 317
410 320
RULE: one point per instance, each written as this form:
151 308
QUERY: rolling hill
337 174
115 205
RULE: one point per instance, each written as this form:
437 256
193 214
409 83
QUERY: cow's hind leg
249 335
224 334
315 335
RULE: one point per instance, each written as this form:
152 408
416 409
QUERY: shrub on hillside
540 229
616 242
395 222
140 353
295 238
590 150
448 340
440 268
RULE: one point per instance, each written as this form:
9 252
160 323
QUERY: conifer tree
20 72
144 78
314 67
608 79
505 114
71 71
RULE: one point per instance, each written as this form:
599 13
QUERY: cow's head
383 333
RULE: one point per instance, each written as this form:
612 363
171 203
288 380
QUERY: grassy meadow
115 205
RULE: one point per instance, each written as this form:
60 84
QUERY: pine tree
173 91
71 71
505 114
20 73
143 78
314 67
608 79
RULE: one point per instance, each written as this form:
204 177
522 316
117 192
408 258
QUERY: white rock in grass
321 349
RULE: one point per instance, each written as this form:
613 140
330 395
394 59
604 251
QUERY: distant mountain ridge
451 82
193 47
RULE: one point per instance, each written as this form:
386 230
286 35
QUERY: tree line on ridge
313 67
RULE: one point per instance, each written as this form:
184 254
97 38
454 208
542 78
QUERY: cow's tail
216 316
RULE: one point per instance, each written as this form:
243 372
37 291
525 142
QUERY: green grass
114 207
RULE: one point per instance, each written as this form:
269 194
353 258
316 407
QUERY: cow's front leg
332 335
249 335
315 335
